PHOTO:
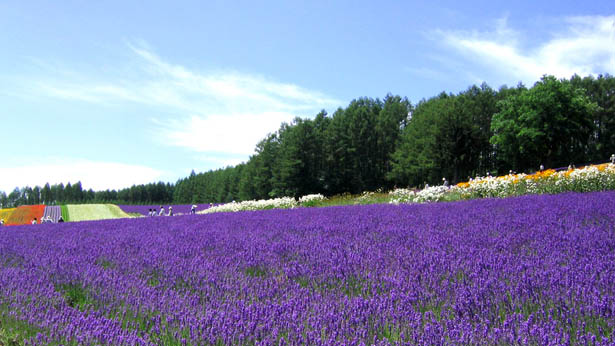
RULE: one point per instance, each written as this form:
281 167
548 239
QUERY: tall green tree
391 120
600 90
414 160
46 195
548 124
299 162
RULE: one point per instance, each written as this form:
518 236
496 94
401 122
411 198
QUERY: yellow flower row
5 213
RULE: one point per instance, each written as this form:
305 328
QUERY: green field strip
65 214
86 212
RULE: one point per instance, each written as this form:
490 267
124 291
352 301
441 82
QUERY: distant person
170 211
1 222
161 211
60 219
193 209
149 212
34 221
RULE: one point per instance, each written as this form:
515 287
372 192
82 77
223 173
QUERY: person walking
161 211
170 211
193 209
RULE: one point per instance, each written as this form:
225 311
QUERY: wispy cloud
97 175
217 112
584 45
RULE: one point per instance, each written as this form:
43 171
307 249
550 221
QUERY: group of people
47 219
152 211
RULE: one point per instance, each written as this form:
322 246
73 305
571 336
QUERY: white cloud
96 175
235 133
218 112
586 45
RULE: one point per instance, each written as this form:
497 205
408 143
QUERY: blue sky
115 93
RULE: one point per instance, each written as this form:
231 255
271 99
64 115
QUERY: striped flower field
6 213
535 270
24 214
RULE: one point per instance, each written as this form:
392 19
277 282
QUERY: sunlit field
525 270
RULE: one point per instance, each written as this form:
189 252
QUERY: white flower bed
402 196
428 194
589 178
312 198
276 203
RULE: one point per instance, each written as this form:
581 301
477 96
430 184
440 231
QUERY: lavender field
528 270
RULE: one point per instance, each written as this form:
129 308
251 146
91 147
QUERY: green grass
348 199
84 212
256 271
105 263
14 332
65 215
76 295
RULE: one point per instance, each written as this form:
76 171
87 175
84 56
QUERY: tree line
379 144
75 194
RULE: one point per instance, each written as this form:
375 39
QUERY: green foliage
549 124
76 295
153 277
447 136
256 271
65 214
13 332
105 263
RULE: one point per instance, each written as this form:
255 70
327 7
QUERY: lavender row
177 208
526 270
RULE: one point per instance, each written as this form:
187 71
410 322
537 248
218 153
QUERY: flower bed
263 204
585 179
589 178
23 215
6 213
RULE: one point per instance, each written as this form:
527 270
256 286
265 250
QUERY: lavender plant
535 269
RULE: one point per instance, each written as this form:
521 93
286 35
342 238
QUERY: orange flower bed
463 184
541 174
24 214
